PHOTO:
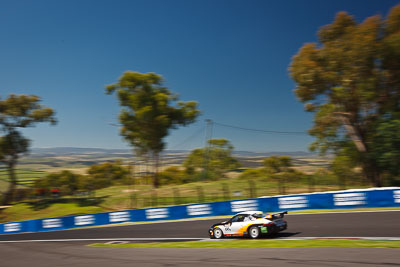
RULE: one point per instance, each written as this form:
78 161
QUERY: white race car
249 223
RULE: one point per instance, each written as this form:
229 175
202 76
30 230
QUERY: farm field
25 176
44 161
140 194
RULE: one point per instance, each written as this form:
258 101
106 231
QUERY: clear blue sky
230 56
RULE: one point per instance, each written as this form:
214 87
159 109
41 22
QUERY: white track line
102 239
343 237
203 239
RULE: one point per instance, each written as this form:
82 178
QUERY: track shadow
280 235
271 237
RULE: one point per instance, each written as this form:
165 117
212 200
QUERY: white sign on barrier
349 199
293 202
52 223
396 196
157 213
84 220
194 210
119 216
12 227
244 205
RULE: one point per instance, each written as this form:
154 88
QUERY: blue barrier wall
362 198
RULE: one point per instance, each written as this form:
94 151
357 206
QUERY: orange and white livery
249 223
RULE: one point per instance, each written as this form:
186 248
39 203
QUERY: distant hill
268 154
57 151
60 151
41 161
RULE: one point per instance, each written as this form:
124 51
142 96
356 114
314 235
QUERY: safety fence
360 198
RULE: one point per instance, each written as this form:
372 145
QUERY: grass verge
261 244
26 212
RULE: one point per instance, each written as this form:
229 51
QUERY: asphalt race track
358 224
74 255
365 224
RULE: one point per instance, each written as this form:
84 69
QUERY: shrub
108 173
253 174
172 175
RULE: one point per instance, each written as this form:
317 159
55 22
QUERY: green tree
172 175
279 169
149 111
16 112
351 80
277 164
387 149
251 174
217 158
105 174
67 181
343 166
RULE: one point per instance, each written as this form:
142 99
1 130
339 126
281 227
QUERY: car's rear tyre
254 232
218 233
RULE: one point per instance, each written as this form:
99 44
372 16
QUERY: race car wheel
254 232
218 233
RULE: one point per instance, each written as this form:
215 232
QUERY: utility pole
209 131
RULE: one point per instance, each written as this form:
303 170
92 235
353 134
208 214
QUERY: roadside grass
25 211
144 195
25 177
261 244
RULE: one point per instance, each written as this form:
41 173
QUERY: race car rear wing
275 216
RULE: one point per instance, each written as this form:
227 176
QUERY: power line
258 130
188 139
177 145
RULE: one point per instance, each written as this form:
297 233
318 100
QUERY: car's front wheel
218 233
254 232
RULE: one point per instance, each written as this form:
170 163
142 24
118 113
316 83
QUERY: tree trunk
9 195
371 173
281 185
352 131
369 166
156 182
